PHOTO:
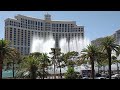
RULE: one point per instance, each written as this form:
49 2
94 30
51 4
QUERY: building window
38 23
65 25
75 34
62 25
10 28
48 33
41 24
14 24
81 30
53 25
59 25
56 25
10 22
82 34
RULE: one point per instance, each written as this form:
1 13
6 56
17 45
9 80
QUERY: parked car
115 76
85 77
100 78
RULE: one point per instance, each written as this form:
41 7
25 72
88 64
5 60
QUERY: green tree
115 61
108 45
90 53
44 62
70 58
56 53
71 74
29 64
61 63
36 54
4 51
101 60
14 59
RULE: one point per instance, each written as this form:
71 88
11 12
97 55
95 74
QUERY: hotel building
20 31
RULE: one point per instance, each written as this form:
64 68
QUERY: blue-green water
7 73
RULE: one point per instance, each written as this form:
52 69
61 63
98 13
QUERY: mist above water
42 45
75 44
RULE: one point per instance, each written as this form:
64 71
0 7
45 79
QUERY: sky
96 23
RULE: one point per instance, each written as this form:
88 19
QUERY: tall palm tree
15 56
44 62
108 44
101 59
90 53
60 60
55 52
104 63
69 58
4 50
30 64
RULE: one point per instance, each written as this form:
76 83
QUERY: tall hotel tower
20 31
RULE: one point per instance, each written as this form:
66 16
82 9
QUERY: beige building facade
20 31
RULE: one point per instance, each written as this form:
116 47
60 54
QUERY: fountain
42 45
75 44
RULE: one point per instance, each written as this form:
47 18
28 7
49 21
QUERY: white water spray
74 44
42 45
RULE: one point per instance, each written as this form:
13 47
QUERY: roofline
29 17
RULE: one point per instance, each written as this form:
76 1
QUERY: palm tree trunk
92 65
0 70
98 68
43 69
33 72
117 68
54 69
54 72
1 63
43 72
104 69
109 58
60 71
13 69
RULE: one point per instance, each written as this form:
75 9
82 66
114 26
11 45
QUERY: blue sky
97 23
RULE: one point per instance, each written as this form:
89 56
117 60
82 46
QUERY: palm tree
4 50
60 63
36 54
14 57
69 58
56 52
108 44
117 61
104 63
58 59
114 58
101 59
90 53
30 64
44 62
71 74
